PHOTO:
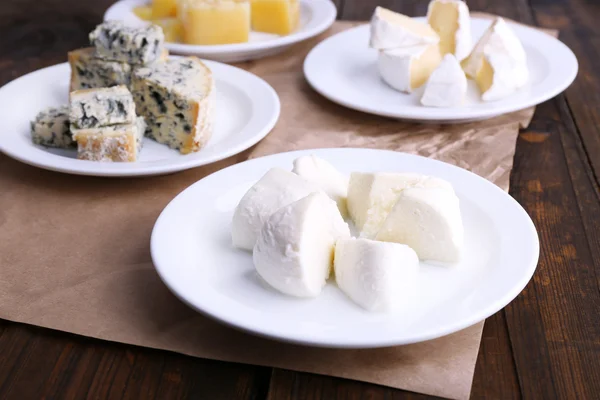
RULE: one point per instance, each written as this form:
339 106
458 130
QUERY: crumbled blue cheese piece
116 41
51 128
99 107
115 143
177 99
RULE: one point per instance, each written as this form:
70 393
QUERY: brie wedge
390 30
498 63
450 19
277 188
371 196
406 69
325 177
447 85
429 221
378 276
294 251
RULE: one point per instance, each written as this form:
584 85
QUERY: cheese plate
192 251
344 69
315 17
247 108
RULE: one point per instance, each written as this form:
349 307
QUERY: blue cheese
51 128
92 108
177 99
116 41
115 143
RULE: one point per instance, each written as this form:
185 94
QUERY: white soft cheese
277 188
406 69
326 177
378 276
294 251
429 221
451 20
447 85
390 30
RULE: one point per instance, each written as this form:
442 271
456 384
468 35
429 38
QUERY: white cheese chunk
378 276
447 85
451 20
406 69
371 196
92 108
51 128
326 177
294 251
390 30
429 221
498 62
115 143
277 188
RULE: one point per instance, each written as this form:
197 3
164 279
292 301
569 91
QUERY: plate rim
492 308
444 115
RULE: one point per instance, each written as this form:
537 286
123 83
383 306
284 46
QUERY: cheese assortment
126 87
441 54
293 224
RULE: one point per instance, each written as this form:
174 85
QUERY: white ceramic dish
247 109
344 69
316 17
192 251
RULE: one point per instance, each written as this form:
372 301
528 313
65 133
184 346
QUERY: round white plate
247 109
344 69
315 17
192 252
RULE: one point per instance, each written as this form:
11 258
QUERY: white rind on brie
406 69
390 30
452 22
447 85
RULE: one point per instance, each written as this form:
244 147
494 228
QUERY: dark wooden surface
544 345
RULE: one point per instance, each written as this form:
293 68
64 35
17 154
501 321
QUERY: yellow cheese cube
281 17
164 8
209 22
172 28
143 12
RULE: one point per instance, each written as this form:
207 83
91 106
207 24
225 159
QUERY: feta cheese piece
447 85
91 108
451 20
390 30
294 251
498 63
51 128
116 41
114 143
406 69
177 99
277 188
326 177
378 276
429 221
371 196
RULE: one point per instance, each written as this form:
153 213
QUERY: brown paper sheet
74 251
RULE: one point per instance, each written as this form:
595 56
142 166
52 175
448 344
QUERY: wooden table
545 344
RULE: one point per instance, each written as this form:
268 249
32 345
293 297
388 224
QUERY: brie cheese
450 19
429 221
294 251
390 30
447 85
498 63
406 69
371 196
326 177
277 188
378 276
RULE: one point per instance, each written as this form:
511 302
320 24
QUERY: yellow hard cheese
280 17
172 28
208 22
143 12
164 8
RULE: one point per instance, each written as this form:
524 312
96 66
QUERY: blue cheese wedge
116 41
91 108
177 99
115 143
89 71
51 128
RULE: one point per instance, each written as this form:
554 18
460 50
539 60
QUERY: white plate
315 17
247 109
192 251
344 69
